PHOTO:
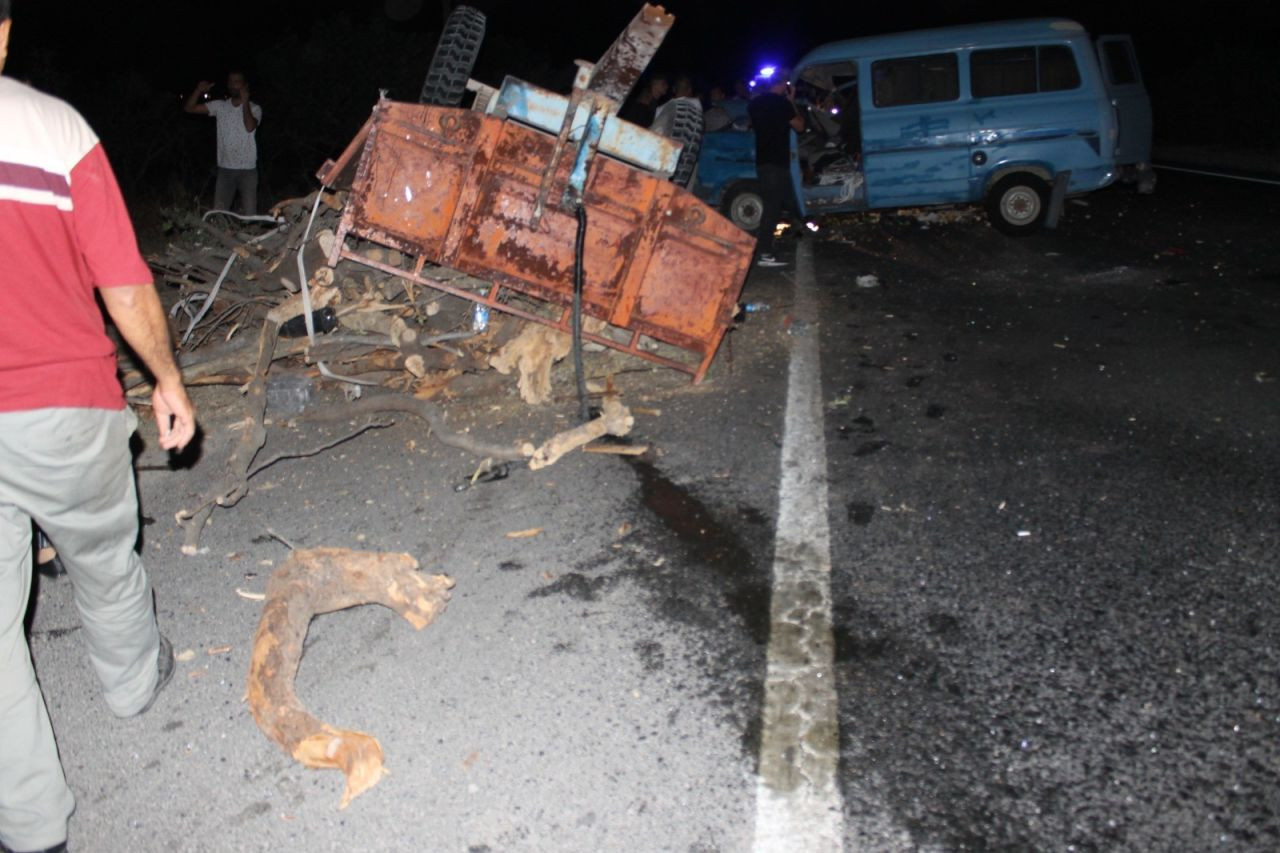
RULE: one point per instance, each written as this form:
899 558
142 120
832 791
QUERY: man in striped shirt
64 434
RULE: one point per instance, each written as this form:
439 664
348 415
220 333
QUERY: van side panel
913 153
1054 131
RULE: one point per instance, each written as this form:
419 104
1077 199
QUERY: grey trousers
233 182
70 470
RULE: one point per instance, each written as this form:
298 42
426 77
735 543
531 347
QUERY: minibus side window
1058 70
1011 71
1120 63
1022 71
915 80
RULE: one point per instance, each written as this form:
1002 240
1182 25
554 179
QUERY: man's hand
193 104
244 92
175 416
140 319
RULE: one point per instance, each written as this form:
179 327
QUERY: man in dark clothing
773 117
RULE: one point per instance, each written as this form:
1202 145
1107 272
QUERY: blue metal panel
545 110
726 156
917 154
1061 131
1133 106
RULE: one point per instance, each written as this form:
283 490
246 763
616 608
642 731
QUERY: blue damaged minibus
1015 115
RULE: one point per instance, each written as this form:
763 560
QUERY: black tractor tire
1017 204
743 205
454 58
686 128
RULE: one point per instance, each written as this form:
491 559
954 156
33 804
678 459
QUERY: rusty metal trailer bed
493 192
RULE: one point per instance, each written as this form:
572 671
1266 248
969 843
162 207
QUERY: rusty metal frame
490 196
697 370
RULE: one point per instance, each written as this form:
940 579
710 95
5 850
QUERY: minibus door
1129 98
915 132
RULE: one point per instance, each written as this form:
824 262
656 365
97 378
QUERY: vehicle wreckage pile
364 285
238 315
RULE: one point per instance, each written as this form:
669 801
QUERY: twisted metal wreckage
566 222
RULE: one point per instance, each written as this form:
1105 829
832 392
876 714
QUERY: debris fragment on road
321 580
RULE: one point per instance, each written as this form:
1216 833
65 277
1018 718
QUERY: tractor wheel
454 58
686 128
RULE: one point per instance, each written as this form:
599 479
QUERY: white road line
798 801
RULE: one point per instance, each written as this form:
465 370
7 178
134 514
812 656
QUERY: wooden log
614 419
431 414
321 580
532 352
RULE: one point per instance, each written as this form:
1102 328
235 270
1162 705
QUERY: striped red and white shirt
64 230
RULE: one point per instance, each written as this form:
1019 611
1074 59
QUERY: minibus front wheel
1017 204
743 205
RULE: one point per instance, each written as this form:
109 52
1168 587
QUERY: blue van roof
943 38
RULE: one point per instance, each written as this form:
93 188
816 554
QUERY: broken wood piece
321 297
524 534
322 580
434 418
533 352
376 319
614 419
617 449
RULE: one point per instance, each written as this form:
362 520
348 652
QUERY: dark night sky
176 41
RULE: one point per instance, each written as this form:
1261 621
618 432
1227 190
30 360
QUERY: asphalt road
1052 506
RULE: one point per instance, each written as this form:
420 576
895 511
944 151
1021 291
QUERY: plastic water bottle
755 307
479 317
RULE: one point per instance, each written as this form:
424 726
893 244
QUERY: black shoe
164 671
52 567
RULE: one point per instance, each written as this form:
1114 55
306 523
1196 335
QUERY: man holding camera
238 120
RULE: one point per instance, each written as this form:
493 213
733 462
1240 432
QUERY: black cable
583 411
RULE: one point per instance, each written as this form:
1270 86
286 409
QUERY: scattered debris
185 656
524 534
486 472
214 651
252 596
321 580
868 281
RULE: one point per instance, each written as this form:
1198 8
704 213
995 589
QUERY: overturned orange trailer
494 191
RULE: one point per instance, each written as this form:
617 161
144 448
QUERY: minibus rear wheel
1017 204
